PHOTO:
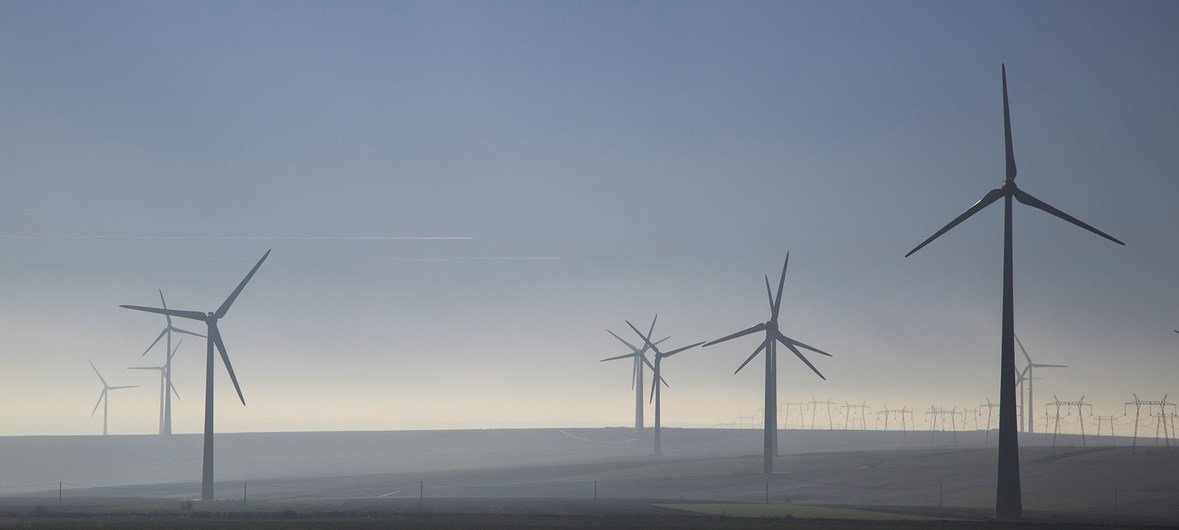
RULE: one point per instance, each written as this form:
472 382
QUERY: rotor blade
987 199
228 365
646 339
655 380
100 396
221 311
660 341
164 305
784 338
1175 330
781 282
673 352
751 356
145 368
1050 365
1025 352
803 359
100 378
651 330
618 357
634 375
173 387
153 343
1026 198
628 345
769 293
121 387
646 362
195 315
177 347
1011 171
752 329
186 332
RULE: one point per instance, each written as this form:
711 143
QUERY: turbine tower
166 421
213 339
655 379
636 376
1008 499
165 383
1031 379
772 337
103 398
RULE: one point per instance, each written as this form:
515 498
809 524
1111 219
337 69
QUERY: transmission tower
1149 404
862 407
787 406
990 409
1080 404
815 407
1107 420
940 413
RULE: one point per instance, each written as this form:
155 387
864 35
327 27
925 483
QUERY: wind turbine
166 421
636 376
213 339
103 399
1031 379
1008 499
165 382
656 378
772 337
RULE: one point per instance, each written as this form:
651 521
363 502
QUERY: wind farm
410 224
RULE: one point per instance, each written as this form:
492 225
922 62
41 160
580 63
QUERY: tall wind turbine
636 376
165 382
1031 379
166 421
213 339
656 378
772 337
1008 499
103 398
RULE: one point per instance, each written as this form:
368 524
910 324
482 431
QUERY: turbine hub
1008 188
772 325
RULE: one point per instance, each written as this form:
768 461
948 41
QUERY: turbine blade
100 396
100 378
195 315
628 345
781 282
784 338
164 305
228 365
987 199
173 387
769 293
664 381
655 380
221 311
145 367
1026 198
186 332
1175 330
651 330
1050 365
803 359
618 357
673 352
646 362
122 387
1025 352
153 343
177 347
660 341
752 355
752 329
634 374
1011 170
646 339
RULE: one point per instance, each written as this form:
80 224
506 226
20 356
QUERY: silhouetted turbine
166 421
165 382
1031 380
213 340
103 398
1008 501
636 376
656 378
772 337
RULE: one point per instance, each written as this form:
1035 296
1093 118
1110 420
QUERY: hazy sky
667 154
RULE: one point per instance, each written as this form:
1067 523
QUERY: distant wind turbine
636 376
165 382
213 339
656 378
1030 379
1008 499
166 421
104 399
772 337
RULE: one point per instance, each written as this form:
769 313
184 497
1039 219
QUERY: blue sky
668 153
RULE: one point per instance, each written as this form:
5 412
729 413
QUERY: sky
462 197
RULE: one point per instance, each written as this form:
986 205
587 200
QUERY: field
710 478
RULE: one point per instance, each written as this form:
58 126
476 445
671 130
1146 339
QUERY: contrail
230 238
